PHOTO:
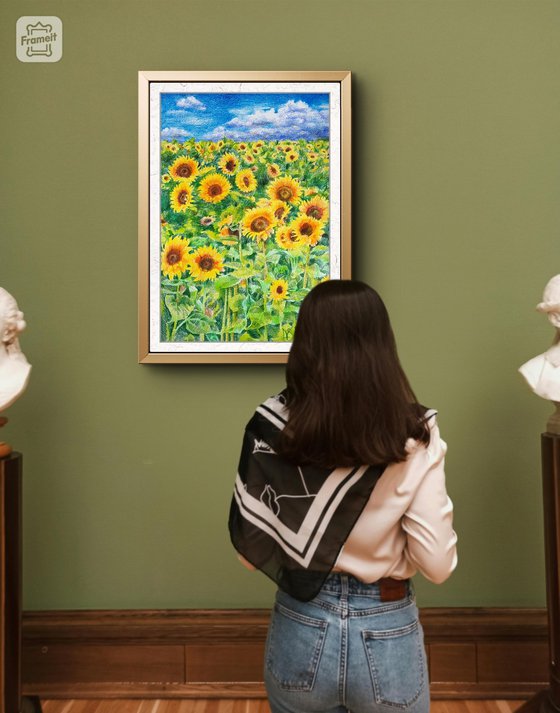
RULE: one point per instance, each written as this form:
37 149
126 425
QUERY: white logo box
39 38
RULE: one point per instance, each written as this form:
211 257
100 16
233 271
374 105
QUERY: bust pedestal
548 701
11 700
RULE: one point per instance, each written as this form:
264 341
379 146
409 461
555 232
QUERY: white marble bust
542 373
14 367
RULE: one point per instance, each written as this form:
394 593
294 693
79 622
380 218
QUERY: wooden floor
242 706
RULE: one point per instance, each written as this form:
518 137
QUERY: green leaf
178 309
197 326
258 317
234 303
222 283
243 273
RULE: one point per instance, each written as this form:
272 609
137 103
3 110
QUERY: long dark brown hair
349 400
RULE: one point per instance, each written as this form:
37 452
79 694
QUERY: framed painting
244 206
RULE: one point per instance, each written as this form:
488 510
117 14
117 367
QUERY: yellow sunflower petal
258 223
206 264
175 257
308 229
317 208
181 197
183 169
279 290
214 188
246 181
285 189
288 239
229 163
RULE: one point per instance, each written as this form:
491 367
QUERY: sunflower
273 170
248 158
280 209
292 156
229 163
317 208
288 239
214 188
173 148
165 178
309 229
225 229
175 257
246 181
312 156
258 223
183 169
206 264
279 290
242 147
285 189
181 197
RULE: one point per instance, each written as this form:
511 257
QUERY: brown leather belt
392 589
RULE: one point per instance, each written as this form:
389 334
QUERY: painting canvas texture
244 220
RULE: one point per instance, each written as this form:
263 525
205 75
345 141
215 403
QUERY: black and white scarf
291 522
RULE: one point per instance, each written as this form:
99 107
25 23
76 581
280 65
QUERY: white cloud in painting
174 132
191 103
244 110
293 120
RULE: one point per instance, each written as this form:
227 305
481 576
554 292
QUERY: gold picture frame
244 203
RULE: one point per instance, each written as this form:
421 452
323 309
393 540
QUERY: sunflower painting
245 212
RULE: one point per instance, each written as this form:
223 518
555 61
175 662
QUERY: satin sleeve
431 542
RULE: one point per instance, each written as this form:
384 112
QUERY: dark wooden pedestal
548 701
10 575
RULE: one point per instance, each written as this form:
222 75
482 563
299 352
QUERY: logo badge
39 38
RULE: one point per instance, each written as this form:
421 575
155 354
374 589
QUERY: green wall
129 468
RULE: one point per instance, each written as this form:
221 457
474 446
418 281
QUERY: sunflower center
279 212
230 165
259 224
306 229
183 197
246 181
185 170
173 256
314 212
284 193
206 263
215 189
279 290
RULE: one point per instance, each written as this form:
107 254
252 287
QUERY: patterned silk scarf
291 522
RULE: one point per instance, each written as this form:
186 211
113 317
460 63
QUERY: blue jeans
346 650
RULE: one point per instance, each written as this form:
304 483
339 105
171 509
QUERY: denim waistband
334 583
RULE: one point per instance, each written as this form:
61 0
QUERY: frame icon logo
39 38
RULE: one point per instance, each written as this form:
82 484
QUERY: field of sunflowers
244 237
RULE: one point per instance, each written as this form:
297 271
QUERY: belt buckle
392 589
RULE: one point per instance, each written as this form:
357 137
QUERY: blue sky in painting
244 117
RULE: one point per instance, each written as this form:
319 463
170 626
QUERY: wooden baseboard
472 653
